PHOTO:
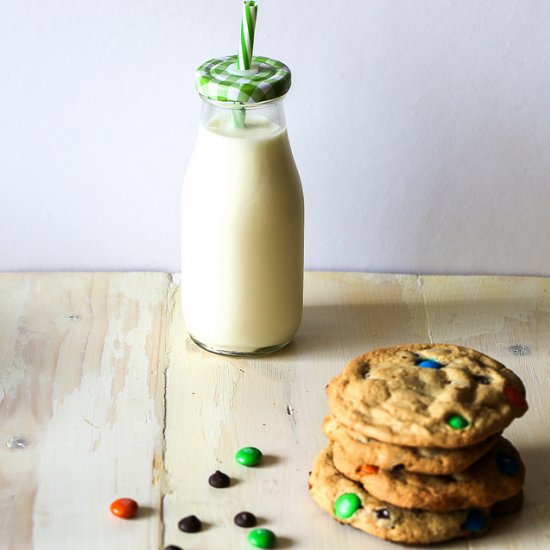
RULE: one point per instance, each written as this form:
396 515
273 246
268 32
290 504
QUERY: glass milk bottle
242 210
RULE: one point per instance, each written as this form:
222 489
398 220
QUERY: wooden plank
215 405
81 357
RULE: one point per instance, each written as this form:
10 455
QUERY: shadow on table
532 523
359 327
284 542
145 512
537 465
350 326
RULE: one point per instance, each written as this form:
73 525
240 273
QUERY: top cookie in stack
415 443
426 395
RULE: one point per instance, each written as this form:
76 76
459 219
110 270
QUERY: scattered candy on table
219 480
245 519
125 508
262 538
190 524
248 456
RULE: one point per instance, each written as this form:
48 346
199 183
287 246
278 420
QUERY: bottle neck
237 114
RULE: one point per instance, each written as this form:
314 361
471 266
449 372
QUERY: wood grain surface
100 379
82 379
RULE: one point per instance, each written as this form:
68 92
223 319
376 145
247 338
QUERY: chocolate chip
448 479
190 524
383 513
219 480
482 379
398 467
172 547
245 519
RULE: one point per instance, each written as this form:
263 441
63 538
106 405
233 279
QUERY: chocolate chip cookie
426 395
348 502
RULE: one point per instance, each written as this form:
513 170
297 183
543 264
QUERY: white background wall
421 129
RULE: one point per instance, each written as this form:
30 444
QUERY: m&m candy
514 397
125 508
475 522
248 456
507 464
346 505
457 422
429 364
367 469
262 538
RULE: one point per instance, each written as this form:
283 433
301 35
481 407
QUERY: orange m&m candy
367 469
124 508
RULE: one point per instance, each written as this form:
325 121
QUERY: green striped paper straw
248 26
244 59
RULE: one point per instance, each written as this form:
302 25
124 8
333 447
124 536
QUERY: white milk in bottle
242 219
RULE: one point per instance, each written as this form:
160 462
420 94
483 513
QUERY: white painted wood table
103 395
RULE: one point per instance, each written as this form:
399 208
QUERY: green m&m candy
248 456
457 422
346 505
262 538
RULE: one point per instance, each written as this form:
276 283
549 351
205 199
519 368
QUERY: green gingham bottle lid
220 80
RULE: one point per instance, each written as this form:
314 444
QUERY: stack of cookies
415 452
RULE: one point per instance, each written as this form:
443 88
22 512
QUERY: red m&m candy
514 397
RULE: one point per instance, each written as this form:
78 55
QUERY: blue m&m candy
429 364
475 522
507 464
